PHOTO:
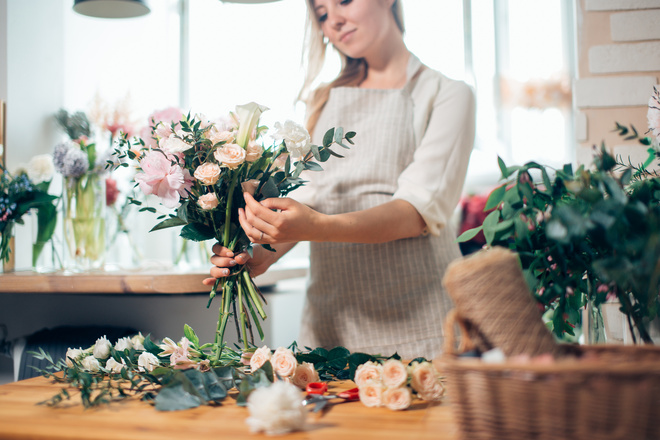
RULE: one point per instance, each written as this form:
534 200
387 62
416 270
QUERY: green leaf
339 135
313 166
469 234
190 334
490 222
169 223
178 396
495 198
503 168
197 232
328 137
349 137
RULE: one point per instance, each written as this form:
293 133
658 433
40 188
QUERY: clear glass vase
84 222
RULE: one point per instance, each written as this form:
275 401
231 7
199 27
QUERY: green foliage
582 235
75 125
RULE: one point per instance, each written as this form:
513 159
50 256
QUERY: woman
378 219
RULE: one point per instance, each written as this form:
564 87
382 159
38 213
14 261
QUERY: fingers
222 251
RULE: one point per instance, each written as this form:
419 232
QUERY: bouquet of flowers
585 235
201 168
21 193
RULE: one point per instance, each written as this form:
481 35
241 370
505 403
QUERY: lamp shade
111 8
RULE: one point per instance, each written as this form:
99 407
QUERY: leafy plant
583 235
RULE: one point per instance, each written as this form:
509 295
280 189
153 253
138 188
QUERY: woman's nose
336 20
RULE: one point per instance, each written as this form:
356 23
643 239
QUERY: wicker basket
601 392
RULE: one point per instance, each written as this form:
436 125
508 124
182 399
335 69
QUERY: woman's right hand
223 260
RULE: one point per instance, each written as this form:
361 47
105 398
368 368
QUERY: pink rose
280 162
163 178
371 393
369 371
208 201
260 356
253 151
426 382
284 362
394 373
207 173
304 375
397 398
230 155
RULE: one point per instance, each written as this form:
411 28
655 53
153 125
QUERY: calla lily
248 117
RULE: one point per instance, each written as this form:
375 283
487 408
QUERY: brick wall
618 65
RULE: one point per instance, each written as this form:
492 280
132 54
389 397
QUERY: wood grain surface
22 418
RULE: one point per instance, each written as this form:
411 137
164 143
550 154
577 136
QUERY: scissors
316 396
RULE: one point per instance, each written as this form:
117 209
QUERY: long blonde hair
353 70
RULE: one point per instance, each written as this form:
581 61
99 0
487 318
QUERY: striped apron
373 298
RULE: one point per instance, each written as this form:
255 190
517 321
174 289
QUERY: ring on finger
261 237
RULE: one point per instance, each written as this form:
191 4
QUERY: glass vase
84 222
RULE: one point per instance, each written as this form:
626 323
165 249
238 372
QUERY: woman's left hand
278 220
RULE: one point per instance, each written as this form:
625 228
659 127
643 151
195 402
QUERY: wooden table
21 418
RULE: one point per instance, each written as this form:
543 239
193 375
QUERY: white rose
397 398
40 168
208 173
123 344
284 362
371 393
260 356
147 361
304 375
295 137
230 155
369 371
276 409
253 151
426 382
208 201
138 341
172 144
113 366
73 354
394 373
90 363
102 348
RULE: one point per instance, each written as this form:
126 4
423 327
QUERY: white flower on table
260 356
40 168
304 375
425 381
123 344
91 364
284 362
394 373
73 354
113 366
369 371
371 393
138 341
102 348
276 409
147 362
398 398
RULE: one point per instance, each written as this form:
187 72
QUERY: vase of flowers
84 202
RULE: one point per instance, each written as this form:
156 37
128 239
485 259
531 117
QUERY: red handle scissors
316 395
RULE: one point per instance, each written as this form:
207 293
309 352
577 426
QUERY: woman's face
355 27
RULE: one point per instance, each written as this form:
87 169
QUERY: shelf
125 282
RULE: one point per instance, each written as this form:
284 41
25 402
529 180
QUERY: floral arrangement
200 169
21 193
585 235
394 385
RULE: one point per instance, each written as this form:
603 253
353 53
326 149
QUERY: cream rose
369 371
138 341
295 137
113 366
40 168
73 354
304 375
123 344
425 381
284 362
230 155
102 348
260 356
397 398
208 201
215 135
276 409
172 144
91 364
208 173
147 361
253 151
394 373
371 393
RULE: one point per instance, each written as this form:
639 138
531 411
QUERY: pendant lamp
111 8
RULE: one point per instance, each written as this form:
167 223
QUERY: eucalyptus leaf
168 223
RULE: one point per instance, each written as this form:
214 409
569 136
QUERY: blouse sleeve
433 182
